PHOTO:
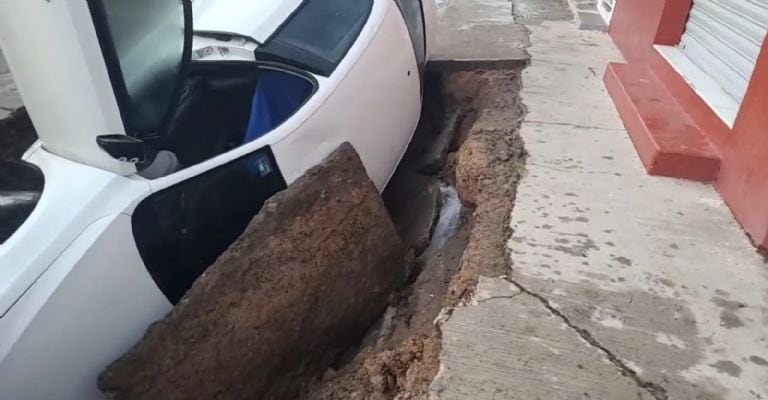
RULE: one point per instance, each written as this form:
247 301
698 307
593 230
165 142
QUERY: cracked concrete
662 291
654 389
518 349
478 34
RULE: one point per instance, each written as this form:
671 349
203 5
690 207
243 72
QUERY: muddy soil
16 135
400 357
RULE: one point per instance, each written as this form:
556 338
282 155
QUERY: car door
192 217
413 13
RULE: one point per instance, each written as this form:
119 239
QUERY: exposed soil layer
16 135
400 358
309 275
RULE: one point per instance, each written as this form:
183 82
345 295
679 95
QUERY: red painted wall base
666 139
674 131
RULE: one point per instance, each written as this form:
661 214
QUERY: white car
163 126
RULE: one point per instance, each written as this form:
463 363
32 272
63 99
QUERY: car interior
182 229
178 113
224 105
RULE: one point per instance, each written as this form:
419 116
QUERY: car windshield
148 37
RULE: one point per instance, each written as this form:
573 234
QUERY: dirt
486 162
309 275
16 135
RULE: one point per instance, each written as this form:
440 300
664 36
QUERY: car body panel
62 78
257 20
86 296
385 114
315 132
74 196
49 350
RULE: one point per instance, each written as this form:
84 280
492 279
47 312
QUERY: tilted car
163 127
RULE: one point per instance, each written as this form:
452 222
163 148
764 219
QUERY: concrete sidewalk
622 285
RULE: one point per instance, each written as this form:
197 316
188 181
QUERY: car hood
256 19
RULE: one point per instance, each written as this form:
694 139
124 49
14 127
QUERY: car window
183 229
319 35
143 42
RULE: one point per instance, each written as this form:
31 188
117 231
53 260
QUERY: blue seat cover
277 96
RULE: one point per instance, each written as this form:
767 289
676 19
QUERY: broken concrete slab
508 346
313 270
493 289
414 202
478 34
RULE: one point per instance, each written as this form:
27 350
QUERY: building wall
638 25
743 178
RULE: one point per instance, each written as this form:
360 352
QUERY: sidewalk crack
654 389
569 171
481 301
578 126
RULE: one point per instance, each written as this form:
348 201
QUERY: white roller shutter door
723 38
605 8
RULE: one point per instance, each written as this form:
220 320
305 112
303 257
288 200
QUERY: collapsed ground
479 113
467 140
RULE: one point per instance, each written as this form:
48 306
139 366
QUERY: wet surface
535 11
